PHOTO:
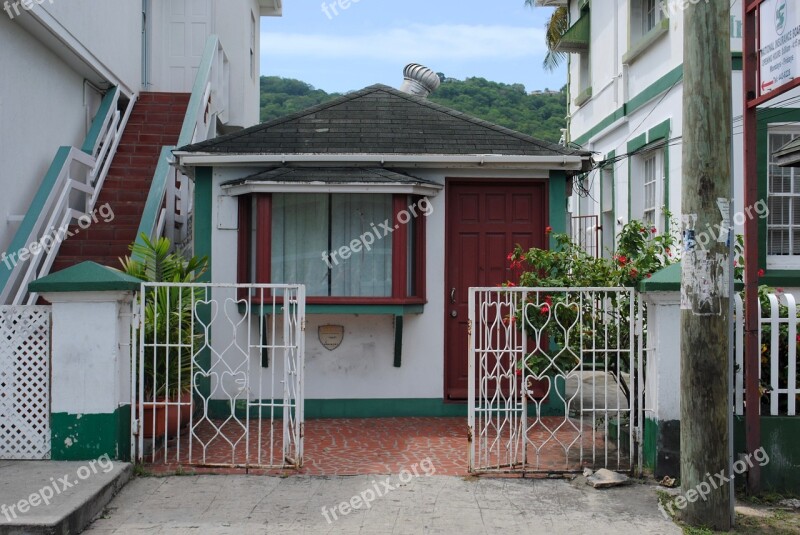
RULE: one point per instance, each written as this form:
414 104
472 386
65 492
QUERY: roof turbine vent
419 80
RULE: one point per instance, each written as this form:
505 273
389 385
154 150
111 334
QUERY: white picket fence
782 392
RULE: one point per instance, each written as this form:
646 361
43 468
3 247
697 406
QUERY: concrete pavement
415 503
53 497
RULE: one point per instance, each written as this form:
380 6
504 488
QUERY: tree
555 28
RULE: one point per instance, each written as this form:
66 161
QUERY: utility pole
705 294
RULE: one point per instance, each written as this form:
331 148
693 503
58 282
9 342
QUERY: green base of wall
378 408
83 437
780 436
661 449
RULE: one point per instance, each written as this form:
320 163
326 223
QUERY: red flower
519 371
548 299
510 257
760 272
622 260
545 309
798 338
735 263
654 230
548 230
634 272
649 275
779 290
510 284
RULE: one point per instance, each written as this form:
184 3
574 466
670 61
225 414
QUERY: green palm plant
556 27
168 314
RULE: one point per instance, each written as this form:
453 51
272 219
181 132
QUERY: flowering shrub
553 317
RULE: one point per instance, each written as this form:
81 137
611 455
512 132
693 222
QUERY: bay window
346 248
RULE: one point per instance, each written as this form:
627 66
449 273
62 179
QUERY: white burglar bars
553 378
778 335
219 375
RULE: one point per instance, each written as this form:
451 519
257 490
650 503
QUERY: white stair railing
68 192
169 207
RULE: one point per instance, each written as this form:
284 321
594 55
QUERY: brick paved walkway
363 446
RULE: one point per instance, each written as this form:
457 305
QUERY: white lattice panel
24 382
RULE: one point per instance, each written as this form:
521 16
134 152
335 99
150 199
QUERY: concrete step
76 492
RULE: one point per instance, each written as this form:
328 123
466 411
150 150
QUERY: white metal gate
218 375
25 382
554 379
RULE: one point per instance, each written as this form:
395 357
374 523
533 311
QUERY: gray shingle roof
380 120
331 175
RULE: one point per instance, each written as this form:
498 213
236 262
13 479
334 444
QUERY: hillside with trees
541 115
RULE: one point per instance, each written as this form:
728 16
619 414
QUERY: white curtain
302 231
365 273
299 237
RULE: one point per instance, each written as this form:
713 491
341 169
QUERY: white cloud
419 41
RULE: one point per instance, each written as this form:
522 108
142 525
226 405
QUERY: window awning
331 179
576 39
789 154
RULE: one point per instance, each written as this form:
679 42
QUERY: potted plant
167 381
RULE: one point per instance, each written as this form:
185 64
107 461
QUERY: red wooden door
484 223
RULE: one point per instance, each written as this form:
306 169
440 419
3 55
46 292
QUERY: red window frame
400 247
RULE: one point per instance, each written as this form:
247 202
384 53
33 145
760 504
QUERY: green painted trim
83 437
196 105
86 277
398 341
203 204
99 121
22 237
665 280
609 167
377 408
155 197
661 29
649 93
584 96
660 131
577 38
649 443
782 277
737 61
557 204
779 438
637 143
655 89
764 118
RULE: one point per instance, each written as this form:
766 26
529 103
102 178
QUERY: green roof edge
669 280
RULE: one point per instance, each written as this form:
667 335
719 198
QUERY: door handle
452 295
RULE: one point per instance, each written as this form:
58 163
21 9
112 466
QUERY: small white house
388 208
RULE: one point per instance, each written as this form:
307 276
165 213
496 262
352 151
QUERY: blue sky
372 40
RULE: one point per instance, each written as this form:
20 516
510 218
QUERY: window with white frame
650 188
647 187
645 16
783 190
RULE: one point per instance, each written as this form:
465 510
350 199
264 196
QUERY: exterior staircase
155 122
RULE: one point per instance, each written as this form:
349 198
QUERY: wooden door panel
484 223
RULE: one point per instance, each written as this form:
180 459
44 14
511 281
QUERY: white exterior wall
614 85
112 31
37 118
181 28
363 366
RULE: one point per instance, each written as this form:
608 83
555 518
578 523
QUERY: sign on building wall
737 26
779 56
